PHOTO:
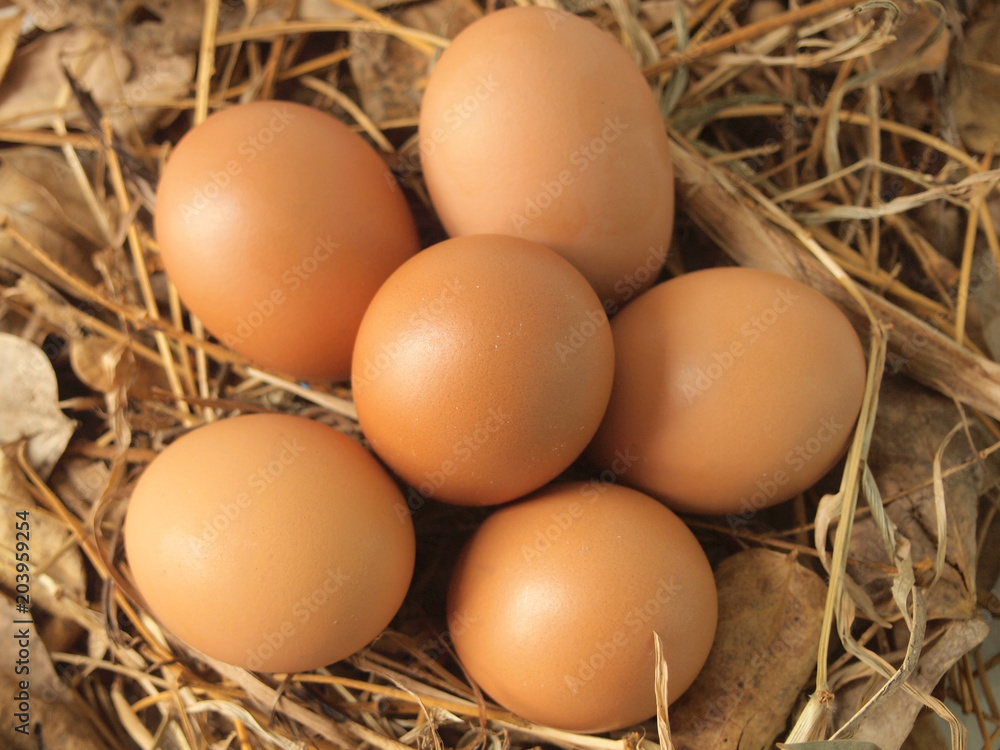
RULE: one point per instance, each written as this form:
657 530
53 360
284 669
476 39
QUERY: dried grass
808 206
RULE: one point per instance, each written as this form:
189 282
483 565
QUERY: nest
847 145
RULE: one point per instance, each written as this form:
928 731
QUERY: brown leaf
95 360
390 74
975 83
149 61
49 15
57 716
891 722
40 199
13 487
58 580
915 50
111 368
35 82
911 424
80 482
926 735
29 396
162 58
10 32
770 614
184 18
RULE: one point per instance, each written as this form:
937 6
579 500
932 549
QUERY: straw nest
847 145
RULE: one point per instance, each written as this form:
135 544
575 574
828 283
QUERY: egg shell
270 541
537 124
735 389
482 369
278 223
554 600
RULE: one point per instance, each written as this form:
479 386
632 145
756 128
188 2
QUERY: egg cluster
482 368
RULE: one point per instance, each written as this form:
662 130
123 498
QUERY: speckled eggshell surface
270 541
277 223
482 369
735 389
554 600
536 123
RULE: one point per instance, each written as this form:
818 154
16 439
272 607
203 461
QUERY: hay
810 206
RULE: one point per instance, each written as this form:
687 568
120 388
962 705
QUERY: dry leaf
13 487
152 61
911 425
29 398
162 57
915 50
308 10
49 15
47 171
10 32
80 482
110 368
102 365
975 84
889 725
926 735
40 199
35 82
391 74
770 614
185 18
57 716
828 745
107 366
58 584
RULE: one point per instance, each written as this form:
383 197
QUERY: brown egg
554 601
270 541
278 224
482 369
537 124
735 389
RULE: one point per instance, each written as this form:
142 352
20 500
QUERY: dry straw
804 211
